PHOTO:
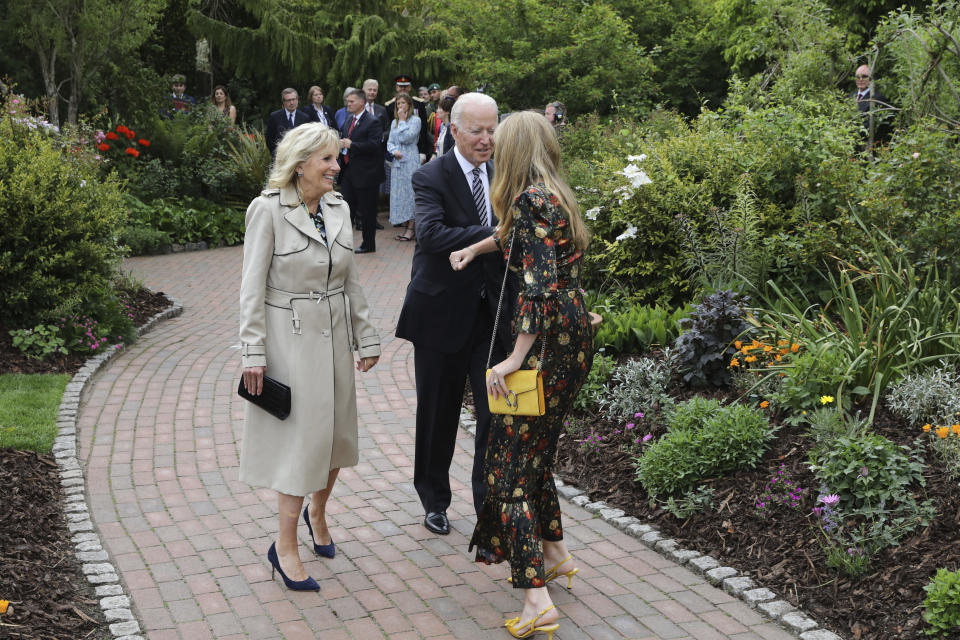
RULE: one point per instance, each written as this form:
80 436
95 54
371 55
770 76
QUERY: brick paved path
159 435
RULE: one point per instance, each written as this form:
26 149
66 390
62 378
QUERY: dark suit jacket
448 143
381 113
311 112
366 151
440 302
873 108
277 125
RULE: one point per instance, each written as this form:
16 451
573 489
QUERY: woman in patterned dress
402 146
543 238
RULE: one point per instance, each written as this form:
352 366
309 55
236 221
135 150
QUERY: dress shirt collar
468 167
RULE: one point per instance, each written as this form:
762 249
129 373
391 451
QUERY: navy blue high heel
296 585
325 550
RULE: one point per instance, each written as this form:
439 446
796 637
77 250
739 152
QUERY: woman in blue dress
402 145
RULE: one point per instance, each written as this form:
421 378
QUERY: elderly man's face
475 135
403 88
371 92
862 77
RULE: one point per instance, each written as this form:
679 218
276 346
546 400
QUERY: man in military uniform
403 84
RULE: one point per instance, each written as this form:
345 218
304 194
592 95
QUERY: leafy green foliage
639 386
867 471
941 607
251 159
28 410
58 221
728 439
931 395
706 344
635 329
38 343
594 387
818 372
187 220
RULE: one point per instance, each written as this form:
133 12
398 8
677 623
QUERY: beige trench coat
302 314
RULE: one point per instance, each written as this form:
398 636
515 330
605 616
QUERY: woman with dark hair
402 146
223 105
543 239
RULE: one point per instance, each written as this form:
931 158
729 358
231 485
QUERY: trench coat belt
284 300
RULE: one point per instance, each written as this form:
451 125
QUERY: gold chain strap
496 321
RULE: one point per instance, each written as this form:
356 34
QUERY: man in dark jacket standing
361 163
282 120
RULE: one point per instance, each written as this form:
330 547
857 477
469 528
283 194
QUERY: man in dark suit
448 315
361 162
874 108
282 120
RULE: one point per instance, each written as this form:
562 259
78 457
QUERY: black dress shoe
437 522
364 250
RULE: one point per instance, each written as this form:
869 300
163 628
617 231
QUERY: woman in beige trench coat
302 315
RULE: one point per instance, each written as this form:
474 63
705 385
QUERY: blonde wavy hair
296 146
527 152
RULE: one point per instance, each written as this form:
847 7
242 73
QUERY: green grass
28 410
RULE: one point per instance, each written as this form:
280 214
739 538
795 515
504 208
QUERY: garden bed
39 574
780 551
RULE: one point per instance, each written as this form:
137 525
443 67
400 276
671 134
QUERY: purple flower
864 472
638 414
817 511
630 425
648 437
830 500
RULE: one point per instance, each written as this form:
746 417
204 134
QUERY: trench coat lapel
334 223
297 215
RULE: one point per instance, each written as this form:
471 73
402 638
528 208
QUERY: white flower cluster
592 214
631 232
33 122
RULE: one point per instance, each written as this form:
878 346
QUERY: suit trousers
440 379
363 206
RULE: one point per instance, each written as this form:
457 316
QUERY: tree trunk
48 68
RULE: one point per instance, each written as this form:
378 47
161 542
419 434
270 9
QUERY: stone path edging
96 565
729 579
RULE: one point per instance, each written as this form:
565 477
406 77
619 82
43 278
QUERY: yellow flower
943 432
767 349
750 359
3 606
778 358
826 399
734 363
955 428
926 428
764 404
782 343
737 344
794 347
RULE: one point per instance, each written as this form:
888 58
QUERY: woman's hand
253 379
365 364
397 155
496 385
460 259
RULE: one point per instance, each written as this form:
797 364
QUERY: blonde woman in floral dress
543 239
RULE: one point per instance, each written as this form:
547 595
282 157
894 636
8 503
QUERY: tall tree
78 38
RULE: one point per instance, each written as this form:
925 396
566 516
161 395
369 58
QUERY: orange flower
782 343
734 363
112 136
955 428
103 146
143 143
750 359
764 404
778 358
737 344
926 428
794 347
767 349
3 606
943 432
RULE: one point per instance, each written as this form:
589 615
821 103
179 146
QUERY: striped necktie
478 199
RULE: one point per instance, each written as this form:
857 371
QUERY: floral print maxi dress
521 506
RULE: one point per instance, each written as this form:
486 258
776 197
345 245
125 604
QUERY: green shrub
185 220
635 329
58 224
142 241
731 438
867 470
941 607
815 373
591 393
931 395
692 414
41 341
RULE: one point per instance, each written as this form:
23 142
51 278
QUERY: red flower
112 136
129 134
103 146
132 152
143 143
122 129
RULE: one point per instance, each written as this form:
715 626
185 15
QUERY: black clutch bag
275 398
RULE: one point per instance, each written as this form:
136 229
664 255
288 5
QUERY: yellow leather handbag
524 393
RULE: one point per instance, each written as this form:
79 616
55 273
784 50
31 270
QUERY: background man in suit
341 113
448 315
361 163
282 120
370 90
874 108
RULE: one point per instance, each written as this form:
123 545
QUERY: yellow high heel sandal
529 628
552 574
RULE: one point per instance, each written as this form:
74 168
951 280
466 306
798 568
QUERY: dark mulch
144 306
50 599
39 574
781 552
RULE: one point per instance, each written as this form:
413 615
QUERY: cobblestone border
97 568
727 578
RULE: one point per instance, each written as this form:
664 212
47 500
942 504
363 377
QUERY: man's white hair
370 82
470 100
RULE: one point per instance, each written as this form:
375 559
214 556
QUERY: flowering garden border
732 581
97 568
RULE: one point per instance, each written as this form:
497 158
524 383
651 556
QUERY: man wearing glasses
874 108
